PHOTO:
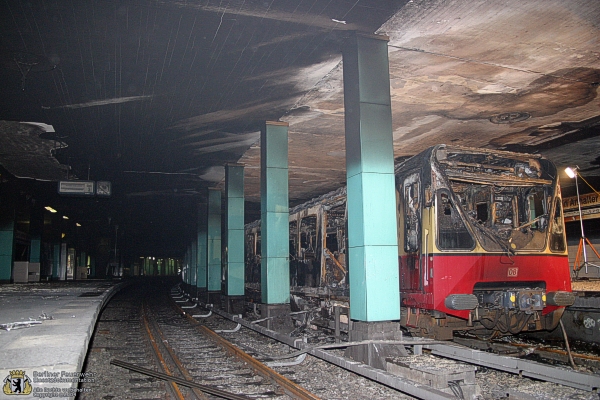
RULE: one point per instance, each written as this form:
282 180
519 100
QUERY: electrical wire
587 183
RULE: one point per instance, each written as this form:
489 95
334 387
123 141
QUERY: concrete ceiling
157 95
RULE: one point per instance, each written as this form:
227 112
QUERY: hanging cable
564 332
583 179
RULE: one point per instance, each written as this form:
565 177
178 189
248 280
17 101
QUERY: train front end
482 243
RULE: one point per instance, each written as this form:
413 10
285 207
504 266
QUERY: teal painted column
35 249
7 233
188 263
213 242
55 260
36 225
274 204
234 238
62 269
372 231
92 266
202 246
193 265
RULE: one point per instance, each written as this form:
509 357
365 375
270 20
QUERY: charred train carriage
481 242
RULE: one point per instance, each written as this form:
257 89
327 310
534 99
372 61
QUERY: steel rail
531 369
182 369
290 388
179 381
399 383
537 349
162 361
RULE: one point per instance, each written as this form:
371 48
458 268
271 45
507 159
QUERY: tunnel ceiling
156 96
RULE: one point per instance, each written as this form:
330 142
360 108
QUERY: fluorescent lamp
52 210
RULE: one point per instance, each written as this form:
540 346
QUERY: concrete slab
46 359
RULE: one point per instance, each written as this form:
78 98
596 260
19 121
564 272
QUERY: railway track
554 381
162 355
145 348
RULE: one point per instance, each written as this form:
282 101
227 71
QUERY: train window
482 212
557 233
411 213
294 239
502 210
452 231
308 237
536 208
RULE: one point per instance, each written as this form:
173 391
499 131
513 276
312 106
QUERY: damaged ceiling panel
25 155
492 74
503 75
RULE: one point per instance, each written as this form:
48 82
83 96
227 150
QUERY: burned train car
317 248
481 243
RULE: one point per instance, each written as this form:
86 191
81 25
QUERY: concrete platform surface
45 359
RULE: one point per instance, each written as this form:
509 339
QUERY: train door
411 271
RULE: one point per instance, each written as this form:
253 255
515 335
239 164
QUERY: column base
374 354
214 298
234 304
201 295
195 293
186 288
279 318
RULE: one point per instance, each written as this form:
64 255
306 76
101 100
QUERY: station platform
45 330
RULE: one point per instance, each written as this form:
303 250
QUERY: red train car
482 243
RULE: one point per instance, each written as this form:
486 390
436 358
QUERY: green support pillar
92 266
82 264
7 233
193 267
62 268
35 249
275 231
36 225
55 260
234 238
213 242
188 262
202 255
372 237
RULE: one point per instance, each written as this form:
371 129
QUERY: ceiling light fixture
65 217
52 210
510 117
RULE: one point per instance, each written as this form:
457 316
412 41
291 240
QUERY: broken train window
557 233
412 223
452 231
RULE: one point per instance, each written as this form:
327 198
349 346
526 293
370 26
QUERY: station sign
588 213
103 188
590 207
77 188
85 188
587 200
